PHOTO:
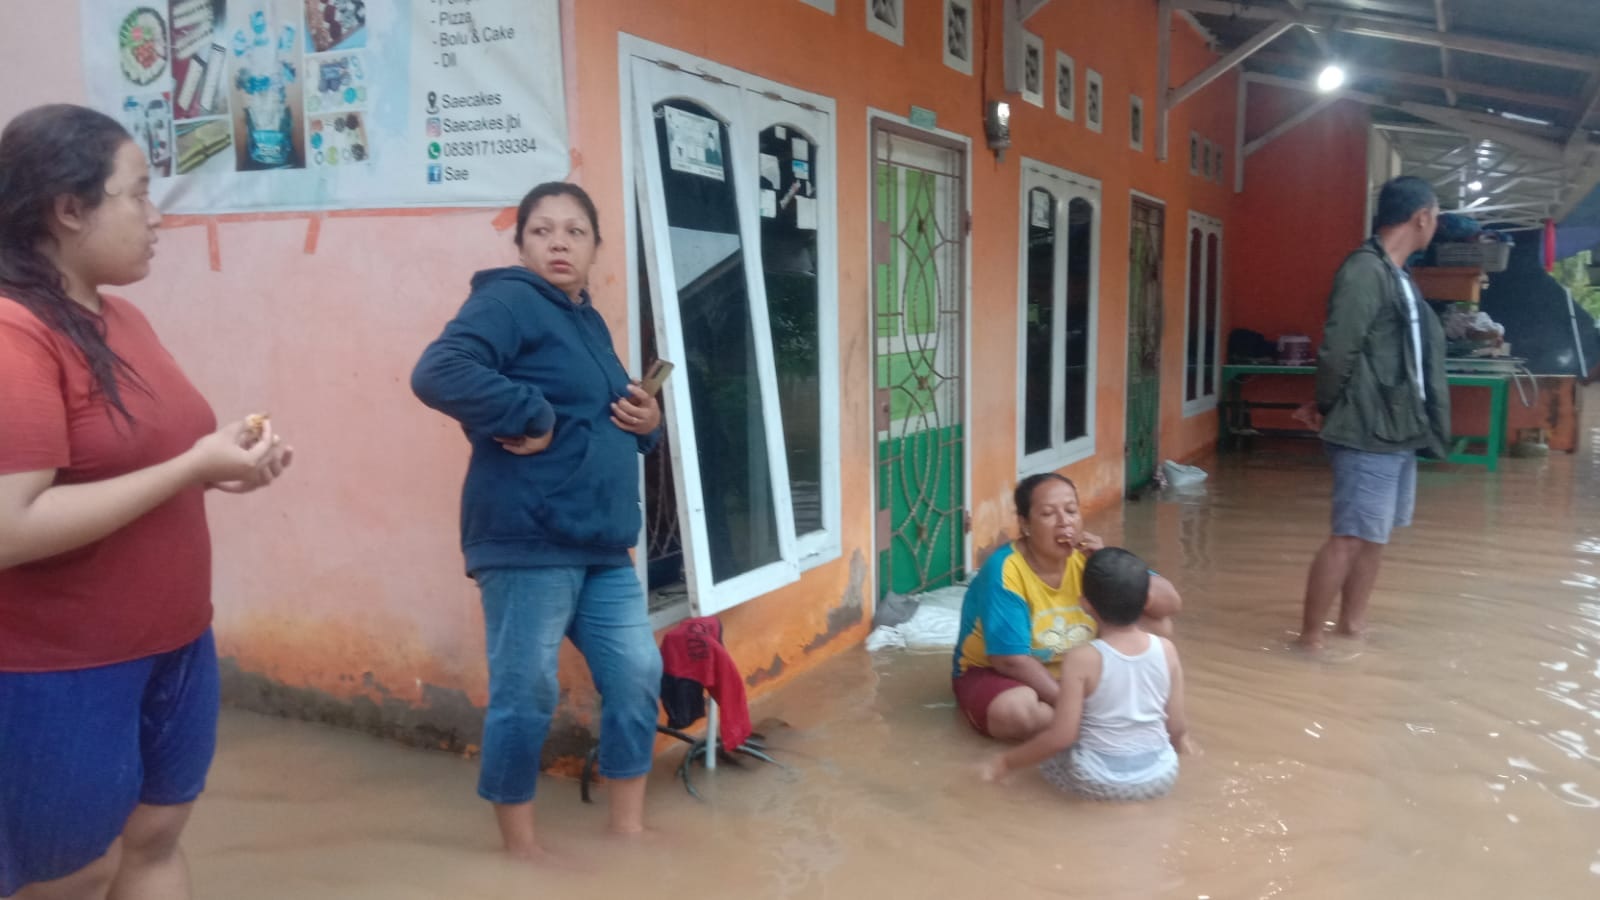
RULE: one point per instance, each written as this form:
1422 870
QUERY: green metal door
1144 346
918 241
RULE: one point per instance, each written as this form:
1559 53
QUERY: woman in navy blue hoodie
550 508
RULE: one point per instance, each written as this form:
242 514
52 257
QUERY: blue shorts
1373 493
80 749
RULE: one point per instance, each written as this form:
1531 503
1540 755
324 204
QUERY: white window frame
748 118
1209 317
964 66
1094 85
1066 186
1065 61
895 33
1033 44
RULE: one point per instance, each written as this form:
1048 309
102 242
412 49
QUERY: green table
1232 409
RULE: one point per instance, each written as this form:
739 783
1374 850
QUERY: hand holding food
255 425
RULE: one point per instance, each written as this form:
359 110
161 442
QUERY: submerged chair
694 661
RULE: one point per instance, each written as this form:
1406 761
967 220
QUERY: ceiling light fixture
1331 78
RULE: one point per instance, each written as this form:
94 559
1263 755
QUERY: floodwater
1454 752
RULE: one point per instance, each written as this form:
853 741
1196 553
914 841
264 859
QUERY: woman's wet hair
557 189
1117 584
46 153
1023 496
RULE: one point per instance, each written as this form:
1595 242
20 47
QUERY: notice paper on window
1039 209
695 144
769 204
769 170
805 213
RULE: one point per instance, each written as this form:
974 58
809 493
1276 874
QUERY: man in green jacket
1382 395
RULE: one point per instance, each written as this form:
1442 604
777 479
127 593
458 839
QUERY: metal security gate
1144 345
918 254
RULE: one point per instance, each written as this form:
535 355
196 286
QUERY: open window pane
1039 321
721 366
708 305
1080 259
663 545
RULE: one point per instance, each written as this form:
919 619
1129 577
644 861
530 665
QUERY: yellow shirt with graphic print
1010 611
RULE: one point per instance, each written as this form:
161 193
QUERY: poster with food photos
265 105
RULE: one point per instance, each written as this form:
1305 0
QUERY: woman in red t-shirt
108 676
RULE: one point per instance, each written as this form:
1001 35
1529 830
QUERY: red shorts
975 689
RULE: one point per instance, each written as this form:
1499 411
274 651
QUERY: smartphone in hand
656 377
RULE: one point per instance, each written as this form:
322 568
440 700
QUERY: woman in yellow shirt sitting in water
1025 610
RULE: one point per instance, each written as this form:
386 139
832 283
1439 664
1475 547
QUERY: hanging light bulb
1331 78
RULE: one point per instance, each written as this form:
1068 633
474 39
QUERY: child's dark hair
557 189
1023 496
1117 584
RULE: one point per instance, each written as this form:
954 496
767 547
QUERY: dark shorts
1373 493
975 689
82 748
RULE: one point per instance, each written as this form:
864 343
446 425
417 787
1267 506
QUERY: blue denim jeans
527 613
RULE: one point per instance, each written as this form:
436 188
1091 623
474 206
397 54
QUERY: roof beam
1163 76
1395 29
1414 129
1586 108
1317 37
1583 182
1026 8
1543 205
1520 140
1216 70
1289 124
1449 85
1444 52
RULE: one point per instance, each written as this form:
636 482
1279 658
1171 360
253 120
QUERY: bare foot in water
533 853
558 860
1309 642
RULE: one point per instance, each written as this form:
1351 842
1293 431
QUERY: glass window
789 261
719 342
1081 227
1039 321
1191 374
1060 229
738 287
1203 314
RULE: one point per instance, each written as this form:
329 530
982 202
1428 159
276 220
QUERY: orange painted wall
340 594
1303 210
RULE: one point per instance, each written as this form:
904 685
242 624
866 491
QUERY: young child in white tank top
1119 719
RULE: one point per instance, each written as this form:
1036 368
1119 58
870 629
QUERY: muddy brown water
1454 752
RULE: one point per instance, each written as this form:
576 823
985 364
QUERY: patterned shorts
1097 776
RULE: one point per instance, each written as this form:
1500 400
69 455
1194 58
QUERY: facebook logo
435 174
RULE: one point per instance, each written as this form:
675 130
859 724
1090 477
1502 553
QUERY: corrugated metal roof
1519 78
